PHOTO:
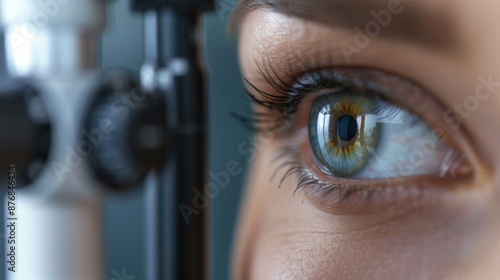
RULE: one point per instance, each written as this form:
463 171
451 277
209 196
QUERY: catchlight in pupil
347 127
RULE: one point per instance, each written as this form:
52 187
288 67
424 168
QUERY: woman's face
377 156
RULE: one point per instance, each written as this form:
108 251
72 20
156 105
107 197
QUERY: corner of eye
477 167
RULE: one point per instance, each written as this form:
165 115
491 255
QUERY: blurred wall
124 215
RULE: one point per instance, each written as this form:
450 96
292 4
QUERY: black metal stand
172 57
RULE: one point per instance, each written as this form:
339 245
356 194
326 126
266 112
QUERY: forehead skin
283 238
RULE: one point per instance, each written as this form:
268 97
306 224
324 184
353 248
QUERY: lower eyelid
350 196
370 200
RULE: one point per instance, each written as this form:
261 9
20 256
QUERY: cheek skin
286 237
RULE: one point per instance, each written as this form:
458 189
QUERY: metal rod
154 231
172 49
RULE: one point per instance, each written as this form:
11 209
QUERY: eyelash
290 161
284 102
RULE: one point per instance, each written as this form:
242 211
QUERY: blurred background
124 215
122 47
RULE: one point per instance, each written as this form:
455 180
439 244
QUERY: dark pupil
347 127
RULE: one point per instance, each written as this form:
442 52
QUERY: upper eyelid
280 85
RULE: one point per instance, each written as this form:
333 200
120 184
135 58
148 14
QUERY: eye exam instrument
72 134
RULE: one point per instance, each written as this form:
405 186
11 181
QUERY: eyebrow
414 22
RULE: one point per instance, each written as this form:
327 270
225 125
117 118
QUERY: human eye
357 135
356 132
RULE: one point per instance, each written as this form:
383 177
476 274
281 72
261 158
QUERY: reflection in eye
361 136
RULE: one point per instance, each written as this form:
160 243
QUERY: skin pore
449 228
